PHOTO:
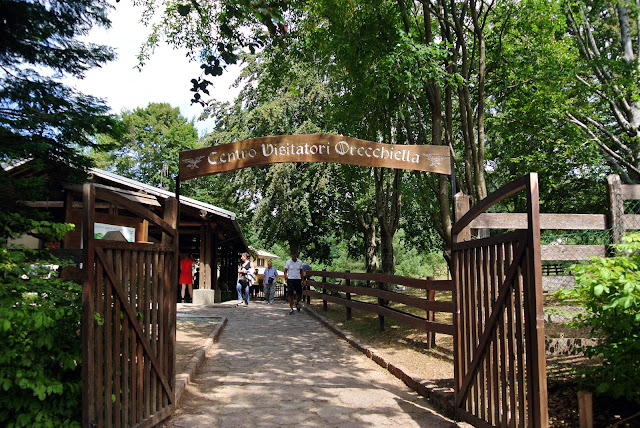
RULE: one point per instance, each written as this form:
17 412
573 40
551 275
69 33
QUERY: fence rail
385 298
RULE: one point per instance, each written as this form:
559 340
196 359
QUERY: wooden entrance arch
312 148
500 369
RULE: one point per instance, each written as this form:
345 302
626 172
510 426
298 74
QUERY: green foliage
148 151
40 344
213 32
410 261
534 87
41 119
609 290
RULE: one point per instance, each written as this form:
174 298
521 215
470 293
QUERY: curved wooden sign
312 148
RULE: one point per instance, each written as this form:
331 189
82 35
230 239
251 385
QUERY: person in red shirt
186 277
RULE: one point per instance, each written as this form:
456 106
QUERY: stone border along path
272 369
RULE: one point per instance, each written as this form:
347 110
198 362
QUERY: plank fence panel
500 370
127 328
384 297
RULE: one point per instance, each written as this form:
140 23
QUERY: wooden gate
500 366
128 321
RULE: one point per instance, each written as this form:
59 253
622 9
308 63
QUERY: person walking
292 274
186 278
245 278
270 274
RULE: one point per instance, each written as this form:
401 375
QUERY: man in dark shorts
292 274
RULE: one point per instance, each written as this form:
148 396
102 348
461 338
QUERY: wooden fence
128 321
386 301
616 221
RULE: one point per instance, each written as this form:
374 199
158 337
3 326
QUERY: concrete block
205 297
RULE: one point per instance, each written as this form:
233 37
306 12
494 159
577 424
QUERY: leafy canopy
41 118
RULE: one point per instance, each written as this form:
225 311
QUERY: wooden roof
193 213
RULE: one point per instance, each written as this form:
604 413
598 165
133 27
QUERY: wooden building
209 234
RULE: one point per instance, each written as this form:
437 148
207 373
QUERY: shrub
609 290
40 343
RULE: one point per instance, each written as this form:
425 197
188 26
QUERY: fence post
324 291
348 283
381 302
431 295
88 289
616 208
462 204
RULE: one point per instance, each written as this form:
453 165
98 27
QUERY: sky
164 78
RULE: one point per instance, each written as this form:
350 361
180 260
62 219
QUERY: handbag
243 278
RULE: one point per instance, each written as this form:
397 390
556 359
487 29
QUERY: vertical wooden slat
481 325
504 357
473 304
108 352
511 357
139 383
495 357
468 303
99 356
126 382
520 348
142 321
486 384
154 330
118 340
88 361
133 394
161 329
117 374
126 348
458 374
147 330
133 351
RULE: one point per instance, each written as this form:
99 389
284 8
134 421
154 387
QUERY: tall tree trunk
388 208
367 225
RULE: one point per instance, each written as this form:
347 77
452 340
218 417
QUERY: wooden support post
431 336
88 331
324 291
171 284
381 302
585 409
207 258
213 264
348 283
203 243
616 208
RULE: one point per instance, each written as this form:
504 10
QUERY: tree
607 36
533 63
148 151
214 33
41 119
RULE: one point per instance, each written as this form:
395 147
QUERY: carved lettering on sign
312 148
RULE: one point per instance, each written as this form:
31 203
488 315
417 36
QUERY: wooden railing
385 303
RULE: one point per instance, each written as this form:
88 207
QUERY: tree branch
614 157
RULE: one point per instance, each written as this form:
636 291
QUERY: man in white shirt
292 274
